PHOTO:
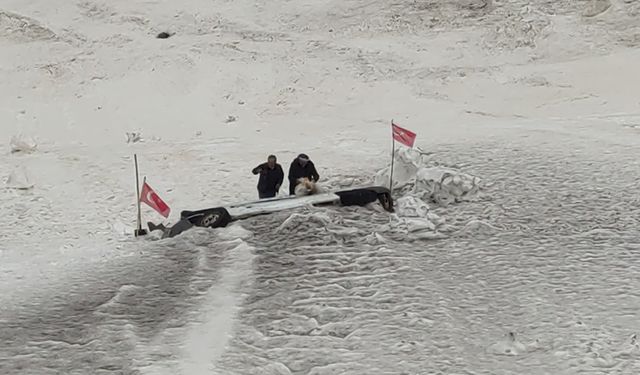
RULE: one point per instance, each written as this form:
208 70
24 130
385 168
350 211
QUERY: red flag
404 136
152 199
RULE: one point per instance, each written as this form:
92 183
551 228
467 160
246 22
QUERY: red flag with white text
402 135
152 199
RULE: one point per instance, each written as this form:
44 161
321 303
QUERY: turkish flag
152 199
404 136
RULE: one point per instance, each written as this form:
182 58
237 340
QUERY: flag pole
393 156
138 231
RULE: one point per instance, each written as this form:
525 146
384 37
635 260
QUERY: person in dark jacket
301 167
271 177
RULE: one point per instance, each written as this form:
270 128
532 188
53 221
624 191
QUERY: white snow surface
514 248
22 143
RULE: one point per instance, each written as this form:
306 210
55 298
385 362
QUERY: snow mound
445 186
411 206
414 174
233 232
19 179
22 143
414 218
407 162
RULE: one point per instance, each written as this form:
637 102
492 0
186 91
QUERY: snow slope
539 100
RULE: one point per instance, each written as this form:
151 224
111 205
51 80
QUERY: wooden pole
393 156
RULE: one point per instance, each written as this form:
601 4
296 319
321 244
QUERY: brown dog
305 187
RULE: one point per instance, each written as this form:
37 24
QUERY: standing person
271 177
301 167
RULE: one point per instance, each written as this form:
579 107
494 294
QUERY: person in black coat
271 177
301 167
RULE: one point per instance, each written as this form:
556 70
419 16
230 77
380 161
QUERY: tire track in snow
129 315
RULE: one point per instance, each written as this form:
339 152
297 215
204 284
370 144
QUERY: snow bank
419 182
411 206
415 174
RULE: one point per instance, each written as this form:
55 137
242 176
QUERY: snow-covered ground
535 274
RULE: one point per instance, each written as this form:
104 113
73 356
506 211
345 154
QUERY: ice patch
23 143
19 179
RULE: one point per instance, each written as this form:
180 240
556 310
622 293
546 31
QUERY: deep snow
535 102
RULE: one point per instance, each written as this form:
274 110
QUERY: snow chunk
413 216
22 143
411 206
445 186
233 232
414 173
407 162
19 179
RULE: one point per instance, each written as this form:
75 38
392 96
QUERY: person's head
303 159
271 161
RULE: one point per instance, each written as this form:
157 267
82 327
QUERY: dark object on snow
210 217
361 197
164 35
153 227
271 177
172 231
301 167
221 216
